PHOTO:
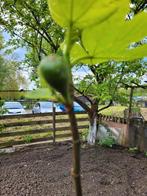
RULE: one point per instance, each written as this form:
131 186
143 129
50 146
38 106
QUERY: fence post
54 125
145 135
136 133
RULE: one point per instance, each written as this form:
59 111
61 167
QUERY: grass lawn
114 111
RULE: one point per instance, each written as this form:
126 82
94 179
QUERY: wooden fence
30 128
113 119
52 127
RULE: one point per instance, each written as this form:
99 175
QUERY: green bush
133 149
145 154
2 110
27 138
107 141
83 135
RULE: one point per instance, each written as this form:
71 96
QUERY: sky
20 55
20 52
77 73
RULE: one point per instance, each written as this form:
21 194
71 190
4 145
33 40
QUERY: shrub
83 135
133 149
107 141
28 138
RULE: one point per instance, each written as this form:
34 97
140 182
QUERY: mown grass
114 111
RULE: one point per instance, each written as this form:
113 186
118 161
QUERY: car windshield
76 104
46 104
13 105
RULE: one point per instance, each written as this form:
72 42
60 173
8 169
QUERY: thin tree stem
76 151
73 123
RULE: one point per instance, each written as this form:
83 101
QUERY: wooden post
145 135
130 102
136 133
54 125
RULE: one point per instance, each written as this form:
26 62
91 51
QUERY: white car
45 107
13 108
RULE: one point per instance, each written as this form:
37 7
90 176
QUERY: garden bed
45 171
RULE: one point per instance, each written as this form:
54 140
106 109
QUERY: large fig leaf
82 13
111 40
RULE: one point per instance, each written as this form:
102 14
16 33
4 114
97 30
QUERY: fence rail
30 128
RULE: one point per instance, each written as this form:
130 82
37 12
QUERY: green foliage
135 109
83 135
93 33
106 81
138 5
1 103
140 92
2 111
96 42
133 150
1 127
45 94
10 76
79 13
30 25
27 138
107 141
145 154
117 111
99 40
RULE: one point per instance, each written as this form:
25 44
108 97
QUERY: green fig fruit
55 71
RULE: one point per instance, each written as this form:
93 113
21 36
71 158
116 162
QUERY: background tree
10 75
104 84
138 5
30 25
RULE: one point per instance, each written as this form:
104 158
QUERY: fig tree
55 71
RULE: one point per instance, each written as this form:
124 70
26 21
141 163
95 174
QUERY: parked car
76 107
13 107
45 107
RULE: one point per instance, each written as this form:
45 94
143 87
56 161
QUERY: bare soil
45 171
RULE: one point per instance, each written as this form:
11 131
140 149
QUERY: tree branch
82 93
132 86
43 29
106 106
83 104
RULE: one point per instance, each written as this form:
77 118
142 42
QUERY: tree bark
92 131
93 125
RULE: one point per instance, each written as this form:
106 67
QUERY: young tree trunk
92 131
93 125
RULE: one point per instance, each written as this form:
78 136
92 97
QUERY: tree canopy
30 25
10 77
